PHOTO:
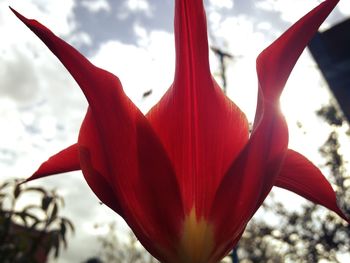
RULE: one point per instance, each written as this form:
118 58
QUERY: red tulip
187 177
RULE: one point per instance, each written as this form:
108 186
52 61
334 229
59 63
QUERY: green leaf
45 202
69 223
53 215
17 191
4 185
36 189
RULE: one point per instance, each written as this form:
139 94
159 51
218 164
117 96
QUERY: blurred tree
312 234
29 233
115 250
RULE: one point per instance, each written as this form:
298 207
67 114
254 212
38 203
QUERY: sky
41 108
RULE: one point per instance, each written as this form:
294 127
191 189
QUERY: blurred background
41 109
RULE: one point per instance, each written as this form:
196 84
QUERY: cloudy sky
41 108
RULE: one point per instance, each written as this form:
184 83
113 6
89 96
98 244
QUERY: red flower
187 177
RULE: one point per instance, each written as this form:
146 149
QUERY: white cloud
95 6
240 70
240 34
268 5
292 10
141 68
141 33
40 106
79 39
30 78
344 8
228 4
13 86
135 7
29 72
214 12
304 94
138 5
214 19
56 14
266 26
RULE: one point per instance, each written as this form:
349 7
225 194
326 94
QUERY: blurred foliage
30 230
114 250
331 114
312 234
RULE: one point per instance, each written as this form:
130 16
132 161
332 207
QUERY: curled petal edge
302 177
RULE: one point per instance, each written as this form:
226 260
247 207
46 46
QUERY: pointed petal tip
343 213
286 50
64 161
16 13
28 22
302 177
39 173
23 181
34 176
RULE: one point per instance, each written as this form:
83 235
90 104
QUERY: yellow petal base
197 240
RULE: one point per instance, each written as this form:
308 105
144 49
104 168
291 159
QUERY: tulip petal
200 128
274 66
98 183
300 176
225 248
191 44
254 172
66 160
93 165
132 159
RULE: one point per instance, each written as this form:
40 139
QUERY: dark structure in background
331 50
222 56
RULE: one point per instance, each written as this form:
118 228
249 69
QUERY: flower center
197 239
